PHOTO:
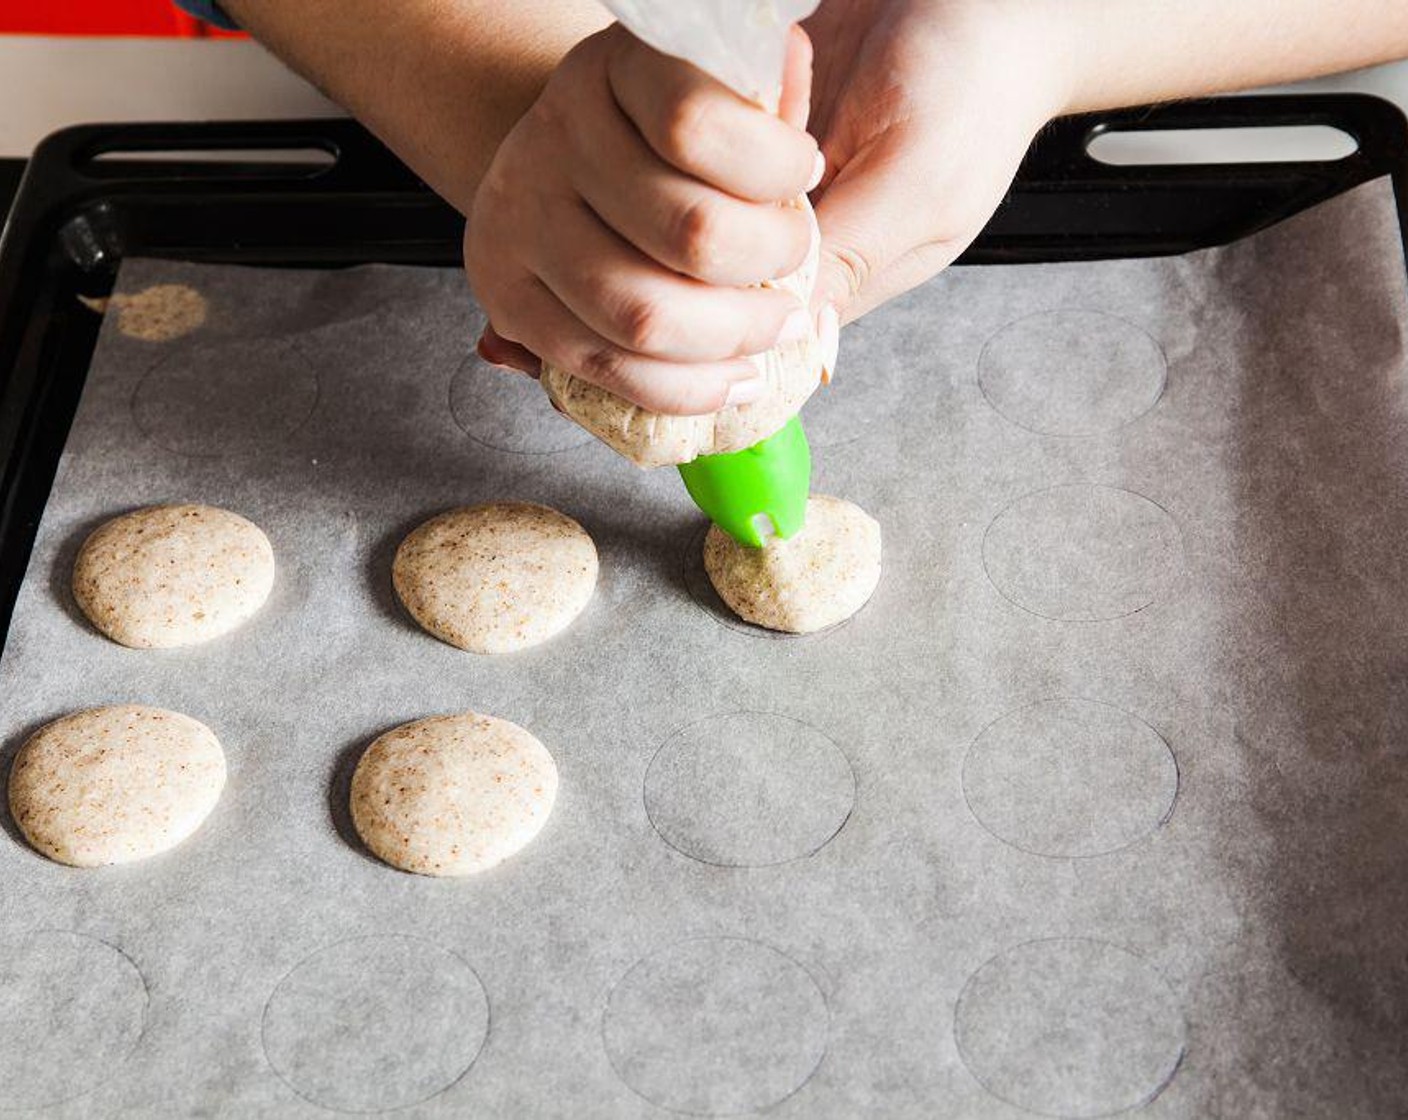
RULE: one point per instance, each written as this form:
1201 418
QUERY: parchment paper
1100 803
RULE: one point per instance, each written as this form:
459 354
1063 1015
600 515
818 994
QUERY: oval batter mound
452 795
160 313
176 575
115 785
814 579
498 577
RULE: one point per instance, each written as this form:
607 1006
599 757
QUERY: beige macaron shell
452 795
814 579
498 577
174 575
159 313
114 785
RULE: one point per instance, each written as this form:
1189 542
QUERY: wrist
1041 46
441 85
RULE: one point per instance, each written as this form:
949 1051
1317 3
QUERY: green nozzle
742 491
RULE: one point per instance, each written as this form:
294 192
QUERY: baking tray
77 216
900 940
10 171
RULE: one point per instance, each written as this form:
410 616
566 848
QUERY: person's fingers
535 318
902 210
684 224
897 213
703 128
871 214
629 300
499 351
796 102
877 209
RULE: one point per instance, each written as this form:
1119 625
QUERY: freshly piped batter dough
452 795
814 579
497 577
156 314
114 785
175 575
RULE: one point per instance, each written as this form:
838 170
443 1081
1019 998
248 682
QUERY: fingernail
818 170
828 332
745 392
795 328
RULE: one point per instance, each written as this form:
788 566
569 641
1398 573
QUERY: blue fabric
210 11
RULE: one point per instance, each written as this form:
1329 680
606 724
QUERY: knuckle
697 232
602 366
644 325
855 267
689 125
551 121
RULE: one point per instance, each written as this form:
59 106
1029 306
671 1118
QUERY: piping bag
761 491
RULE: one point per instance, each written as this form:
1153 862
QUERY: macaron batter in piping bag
748 466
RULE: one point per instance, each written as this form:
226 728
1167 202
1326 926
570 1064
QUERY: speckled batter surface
815 579
159 313
174 575
452 795
498 577
114 785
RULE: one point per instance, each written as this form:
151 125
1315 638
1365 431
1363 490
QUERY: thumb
864 214
857 214
795 103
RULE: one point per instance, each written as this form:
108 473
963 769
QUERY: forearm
1125 52
440 81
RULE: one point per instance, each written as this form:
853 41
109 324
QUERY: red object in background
103 17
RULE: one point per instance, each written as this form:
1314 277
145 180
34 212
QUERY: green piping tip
759 492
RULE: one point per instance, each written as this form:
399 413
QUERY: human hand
924 109
622 218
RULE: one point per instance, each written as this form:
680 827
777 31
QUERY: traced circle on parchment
716 1026
1070 1027
72 1009
1081 553
749 789
701 590
509 411
1072 372
1070 778
375 1023
209 401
